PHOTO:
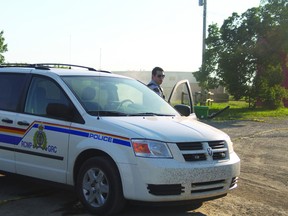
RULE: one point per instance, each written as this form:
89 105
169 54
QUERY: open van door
181 98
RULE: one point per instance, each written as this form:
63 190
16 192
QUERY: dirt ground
262 188
263 185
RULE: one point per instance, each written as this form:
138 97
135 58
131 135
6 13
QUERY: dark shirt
155 87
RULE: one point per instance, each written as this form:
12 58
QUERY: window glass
43 91
112 96
180 95
11 91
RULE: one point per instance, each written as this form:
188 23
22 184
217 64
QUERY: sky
114 35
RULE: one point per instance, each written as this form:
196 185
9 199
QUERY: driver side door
42 152
181 96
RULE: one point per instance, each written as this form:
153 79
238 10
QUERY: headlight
151 148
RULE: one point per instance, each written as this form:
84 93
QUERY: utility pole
204 4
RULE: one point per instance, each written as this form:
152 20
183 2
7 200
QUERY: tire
99 186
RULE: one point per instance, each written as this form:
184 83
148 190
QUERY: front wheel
99 186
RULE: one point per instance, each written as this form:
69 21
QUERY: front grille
201 151
201 187
190 146
217 144
194 157
219 155
196 187
161 190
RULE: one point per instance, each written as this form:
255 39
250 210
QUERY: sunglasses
160 76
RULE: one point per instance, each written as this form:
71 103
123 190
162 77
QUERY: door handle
23 123
9 121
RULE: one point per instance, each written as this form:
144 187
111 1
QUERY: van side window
11 91
43 91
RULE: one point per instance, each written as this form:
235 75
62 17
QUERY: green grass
240 110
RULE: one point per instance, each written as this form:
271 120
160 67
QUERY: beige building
171 78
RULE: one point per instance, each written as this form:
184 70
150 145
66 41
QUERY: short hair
154 71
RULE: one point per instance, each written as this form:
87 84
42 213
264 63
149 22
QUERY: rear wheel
99 186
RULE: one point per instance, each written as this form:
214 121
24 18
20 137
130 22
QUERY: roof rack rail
16 65
24 65
59 65
47 66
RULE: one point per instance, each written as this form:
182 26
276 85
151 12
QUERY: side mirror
184 110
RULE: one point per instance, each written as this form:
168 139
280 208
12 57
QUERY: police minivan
110 137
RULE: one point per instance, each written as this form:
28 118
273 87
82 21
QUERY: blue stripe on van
121 142
14 140
9 139
65 130
79 133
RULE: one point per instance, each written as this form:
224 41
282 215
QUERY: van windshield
117 96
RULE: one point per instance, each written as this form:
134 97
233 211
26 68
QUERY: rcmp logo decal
40 139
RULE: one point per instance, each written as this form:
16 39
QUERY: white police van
110 137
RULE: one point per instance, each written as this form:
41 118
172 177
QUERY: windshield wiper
107 113
116 113
149 114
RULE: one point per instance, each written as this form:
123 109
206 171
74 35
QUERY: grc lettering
52 149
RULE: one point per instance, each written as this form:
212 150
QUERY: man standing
156 80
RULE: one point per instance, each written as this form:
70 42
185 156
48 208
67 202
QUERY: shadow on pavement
23 189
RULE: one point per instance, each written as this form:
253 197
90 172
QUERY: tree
272 46
207 76
244 53
3 47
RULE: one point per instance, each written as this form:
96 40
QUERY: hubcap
95 187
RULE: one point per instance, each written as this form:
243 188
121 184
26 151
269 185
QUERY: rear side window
12 86
43 91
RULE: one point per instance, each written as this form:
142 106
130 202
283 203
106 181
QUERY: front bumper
160 180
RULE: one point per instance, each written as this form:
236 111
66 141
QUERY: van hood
169 129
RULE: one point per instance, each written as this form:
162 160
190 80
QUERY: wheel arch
87 154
